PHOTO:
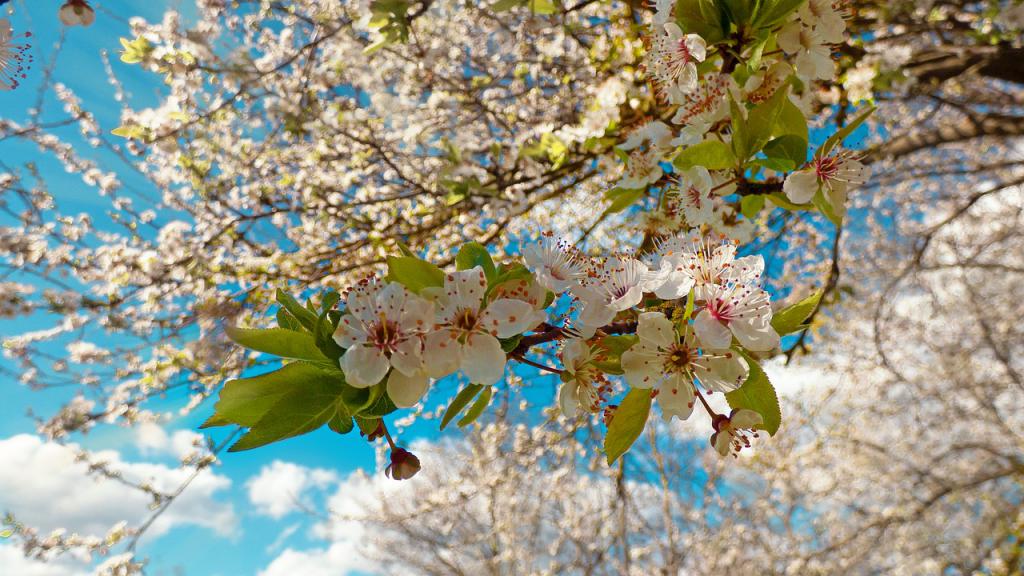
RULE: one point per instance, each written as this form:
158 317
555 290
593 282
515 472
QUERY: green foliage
711 154
136 50
279 342
772 12
791 318
388 18
478 407
822 203
459 403
472 255
702 17
757 394
304 316
788 151
413 273
611 349
293 400
750 206
762 120
622 198
627 424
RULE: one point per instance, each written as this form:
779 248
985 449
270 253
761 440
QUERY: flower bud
76 13
404 465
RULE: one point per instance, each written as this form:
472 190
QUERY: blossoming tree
584 189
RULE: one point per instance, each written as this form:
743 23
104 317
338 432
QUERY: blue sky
185 549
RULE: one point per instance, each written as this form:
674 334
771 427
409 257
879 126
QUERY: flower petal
746 419
364 366
801 186
655 328
711 333
723 374
568 401
466 288
407 356
442 353
676 398
755 334
483 360
642 366
507 317
406 391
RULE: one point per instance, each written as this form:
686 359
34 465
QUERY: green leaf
611 348
841 134
303 315
627 424
413 273
772 12
821 202
791 121
789 147
287 321
750 206
367 426
740 141
739 10
278 341
621 199
382 405
791 318
478 407
131 131
510 344
776 164
245 401
460 402
6 533
688 312
757 394
543 7
505 5
711 154
473 254
762 120
299 411
700 17
341 422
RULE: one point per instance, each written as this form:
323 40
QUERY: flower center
827 168
385 334
465 319
679 359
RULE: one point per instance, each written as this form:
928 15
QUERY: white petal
722 374
595 314
746 419
483 360
406 391
407 356
418 314
655 328
711 333
466 288
697 47
391 300
801 186
755 334
349 332
507 317
364 366
441 353
575 352
568 400
676 399
642 366
722 441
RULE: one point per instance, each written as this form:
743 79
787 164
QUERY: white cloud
13 562
153 439
280 487
44 485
